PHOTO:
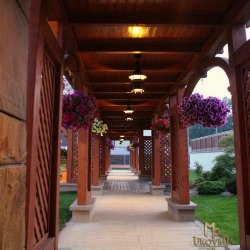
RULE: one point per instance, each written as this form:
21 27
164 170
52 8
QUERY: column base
82 213
103 178
181 212
68 187
157 190
97 190
137 172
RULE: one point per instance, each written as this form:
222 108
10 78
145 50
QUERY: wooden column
103 155
156 180
96 163
239 64
137 159
69 155
83 195
107 159
179 151
132 160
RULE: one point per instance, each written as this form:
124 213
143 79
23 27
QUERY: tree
224 168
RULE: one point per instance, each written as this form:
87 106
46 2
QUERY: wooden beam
122 107
180 18
126 96
123 78
239 13
142 45
123 66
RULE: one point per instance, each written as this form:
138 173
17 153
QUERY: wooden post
103 156
96 163
137 160
156 160
107 159
83 195
240 96
132 159
179 150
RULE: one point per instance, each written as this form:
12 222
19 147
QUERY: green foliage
198 130
211 187
205 176
192 178
66 199
224 168
231 186
220 209
198 168
227 143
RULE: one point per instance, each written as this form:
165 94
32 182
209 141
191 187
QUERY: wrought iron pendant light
137 78
128 110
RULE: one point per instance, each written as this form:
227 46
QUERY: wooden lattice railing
45 129
165 157
146 159
75 144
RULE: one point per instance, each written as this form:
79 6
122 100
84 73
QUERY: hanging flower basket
132 146
109 144
209 112
98 127
161 125
79 110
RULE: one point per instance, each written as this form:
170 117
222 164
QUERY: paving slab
130 222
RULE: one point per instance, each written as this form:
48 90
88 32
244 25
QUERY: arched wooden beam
203 68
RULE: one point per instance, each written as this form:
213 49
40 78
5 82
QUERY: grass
192 176
66 199
222 210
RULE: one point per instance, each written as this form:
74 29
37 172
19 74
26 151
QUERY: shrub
224 168
231 186
211 187
198 168
205 176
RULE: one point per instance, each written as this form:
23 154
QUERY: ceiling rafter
182 18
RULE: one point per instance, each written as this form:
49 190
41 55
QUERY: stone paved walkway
130 221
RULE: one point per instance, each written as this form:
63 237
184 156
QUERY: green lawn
222 210
192 176
66 199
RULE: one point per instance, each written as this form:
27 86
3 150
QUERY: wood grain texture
25 5
12 207
13 59
12 140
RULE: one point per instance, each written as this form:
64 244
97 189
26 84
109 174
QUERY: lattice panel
146 165
74 168
175 157
165 157
44 147
246 84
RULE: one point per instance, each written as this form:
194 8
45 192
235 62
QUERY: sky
216 82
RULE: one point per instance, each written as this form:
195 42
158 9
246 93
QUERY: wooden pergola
93 43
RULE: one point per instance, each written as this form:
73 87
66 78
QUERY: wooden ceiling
176 36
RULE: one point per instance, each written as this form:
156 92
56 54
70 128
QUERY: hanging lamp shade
137 78
128 110
129 118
